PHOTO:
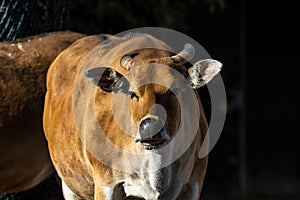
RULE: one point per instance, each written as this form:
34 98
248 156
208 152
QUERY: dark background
257 155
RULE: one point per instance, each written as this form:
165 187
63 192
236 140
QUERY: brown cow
113 119
25 160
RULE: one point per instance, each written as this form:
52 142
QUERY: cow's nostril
151 133
146 122
149 127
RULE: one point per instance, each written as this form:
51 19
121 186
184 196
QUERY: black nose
150 126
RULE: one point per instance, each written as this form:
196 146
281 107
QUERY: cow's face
154 88
154 107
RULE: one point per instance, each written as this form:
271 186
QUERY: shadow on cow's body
124 88
25 160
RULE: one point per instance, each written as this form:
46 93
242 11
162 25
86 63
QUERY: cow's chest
149 185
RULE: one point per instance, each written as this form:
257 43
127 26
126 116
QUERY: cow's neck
160 179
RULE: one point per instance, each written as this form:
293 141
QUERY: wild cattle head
153 82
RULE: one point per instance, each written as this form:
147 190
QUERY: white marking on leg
67 192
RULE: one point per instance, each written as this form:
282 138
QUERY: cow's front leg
190 192
106 190
110 192
68 193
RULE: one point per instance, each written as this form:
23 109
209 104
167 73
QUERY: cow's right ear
107 79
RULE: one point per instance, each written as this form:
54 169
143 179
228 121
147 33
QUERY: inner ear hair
203 71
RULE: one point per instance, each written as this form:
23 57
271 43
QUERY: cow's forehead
159 77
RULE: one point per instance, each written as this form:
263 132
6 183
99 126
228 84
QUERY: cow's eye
133 95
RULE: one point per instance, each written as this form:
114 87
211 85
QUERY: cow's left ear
107 79
202 72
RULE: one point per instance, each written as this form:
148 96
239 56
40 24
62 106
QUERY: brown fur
78 168
24 63
23 67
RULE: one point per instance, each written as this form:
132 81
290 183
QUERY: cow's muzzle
152 133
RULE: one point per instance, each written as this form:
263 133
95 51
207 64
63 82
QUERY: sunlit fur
86 176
